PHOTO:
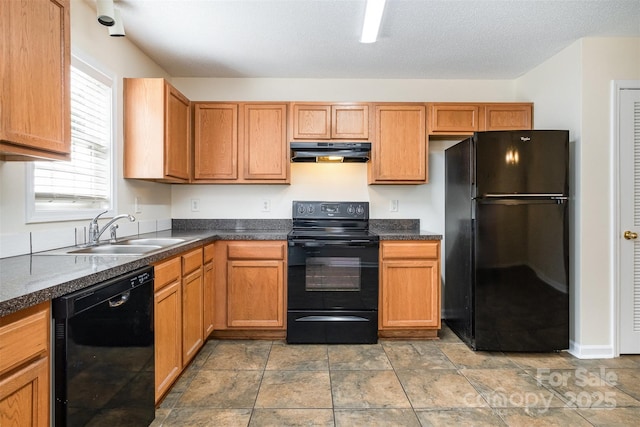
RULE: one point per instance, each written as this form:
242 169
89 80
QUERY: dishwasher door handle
121 299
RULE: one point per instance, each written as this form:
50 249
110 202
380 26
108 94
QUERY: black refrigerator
507 240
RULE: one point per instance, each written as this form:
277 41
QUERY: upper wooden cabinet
157 125
329 121
454 118
264 142
400 145
508 116
35 118
215 142
466 118
240 143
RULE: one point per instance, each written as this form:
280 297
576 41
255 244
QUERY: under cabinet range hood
333 152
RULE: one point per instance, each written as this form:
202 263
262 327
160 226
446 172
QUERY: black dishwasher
104 353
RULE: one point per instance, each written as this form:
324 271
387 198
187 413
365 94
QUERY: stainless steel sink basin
156 241
115 250
126 247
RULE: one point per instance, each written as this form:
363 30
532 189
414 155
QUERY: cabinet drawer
23 336
166 272
208 253
408 250
250 250
191 261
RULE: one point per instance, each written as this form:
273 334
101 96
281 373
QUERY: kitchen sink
156 241
115 250
132 247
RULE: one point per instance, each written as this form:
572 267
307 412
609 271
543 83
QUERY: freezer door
521 162
521 292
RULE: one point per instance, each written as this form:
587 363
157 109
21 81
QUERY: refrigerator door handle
558 196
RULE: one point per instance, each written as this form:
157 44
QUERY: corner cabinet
314 121
400 145
447 119
250 289
409 289
24 367
240 143
157 126
35 112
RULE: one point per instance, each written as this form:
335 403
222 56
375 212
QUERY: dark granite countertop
407 235
27 280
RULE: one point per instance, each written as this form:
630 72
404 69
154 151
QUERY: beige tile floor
398 383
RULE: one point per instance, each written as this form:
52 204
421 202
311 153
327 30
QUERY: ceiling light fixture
105 12
117 30
372 19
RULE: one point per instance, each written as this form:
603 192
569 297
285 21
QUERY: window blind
84 182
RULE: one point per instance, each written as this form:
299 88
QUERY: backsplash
44 240
231 224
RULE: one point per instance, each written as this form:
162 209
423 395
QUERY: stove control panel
330 210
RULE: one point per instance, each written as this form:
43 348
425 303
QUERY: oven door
332 275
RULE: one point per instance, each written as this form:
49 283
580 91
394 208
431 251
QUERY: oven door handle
321 243
332 319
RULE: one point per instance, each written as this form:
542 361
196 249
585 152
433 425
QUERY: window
82 187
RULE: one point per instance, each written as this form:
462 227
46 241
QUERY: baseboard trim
591 351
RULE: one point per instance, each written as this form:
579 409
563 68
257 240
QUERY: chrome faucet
94 229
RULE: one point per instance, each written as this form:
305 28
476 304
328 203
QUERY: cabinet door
177 144
410 294
311 121
216 142
400 146
208 292
35 116
255 294
508 117
168 337
192 315
265 142
350 121
24 396
454 119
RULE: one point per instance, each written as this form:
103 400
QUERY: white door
629 212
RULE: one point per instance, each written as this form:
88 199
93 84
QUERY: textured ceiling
421 39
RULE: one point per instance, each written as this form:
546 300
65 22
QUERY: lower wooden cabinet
192 305
24 367
167 324
409 288
208 290
178 316
250 288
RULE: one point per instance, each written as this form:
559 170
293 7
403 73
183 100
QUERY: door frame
616 87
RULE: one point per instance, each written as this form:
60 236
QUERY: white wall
123 59
572 90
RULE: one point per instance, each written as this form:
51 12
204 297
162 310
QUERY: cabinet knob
630 235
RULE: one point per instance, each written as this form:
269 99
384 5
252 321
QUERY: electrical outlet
195 205
393 207
266 205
